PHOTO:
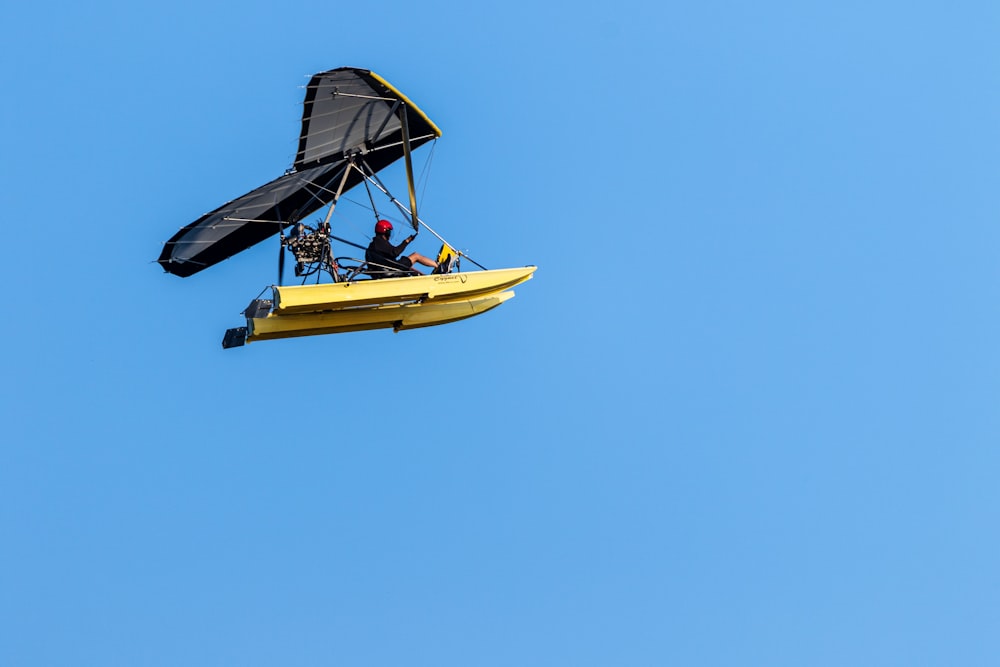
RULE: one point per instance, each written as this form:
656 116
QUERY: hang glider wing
348 114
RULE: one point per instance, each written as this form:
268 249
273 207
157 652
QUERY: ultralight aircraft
354 124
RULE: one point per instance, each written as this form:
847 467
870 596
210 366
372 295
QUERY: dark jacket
380 251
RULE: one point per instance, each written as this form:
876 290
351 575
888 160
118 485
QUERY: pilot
381 251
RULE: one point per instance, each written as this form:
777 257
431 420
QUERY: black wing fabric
349 110
248 220
348 114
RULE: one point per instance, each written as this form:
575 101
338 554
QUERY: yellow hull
296 299
395 316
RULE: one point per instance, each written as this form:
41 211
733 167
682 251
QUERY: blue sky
744 414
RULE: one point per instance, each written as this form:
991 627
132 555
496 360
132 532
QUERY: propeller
281 250
281 259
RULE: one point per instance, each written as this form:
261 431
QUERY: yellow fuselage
294 299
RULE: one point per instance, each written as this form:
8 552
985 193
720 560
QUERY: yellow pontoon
291 299
396 317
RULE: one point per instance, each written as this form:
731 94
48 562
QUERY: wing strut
340 190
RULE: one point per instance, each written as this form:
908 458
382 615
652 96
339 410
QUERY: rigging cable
370 198
425 172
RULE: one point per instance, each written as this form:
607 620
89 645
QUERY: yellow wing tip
407 101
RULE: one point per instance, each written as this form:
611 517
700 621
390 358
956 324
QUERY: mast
409 167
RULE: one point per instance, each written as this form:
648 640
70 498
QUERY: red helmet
383 226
